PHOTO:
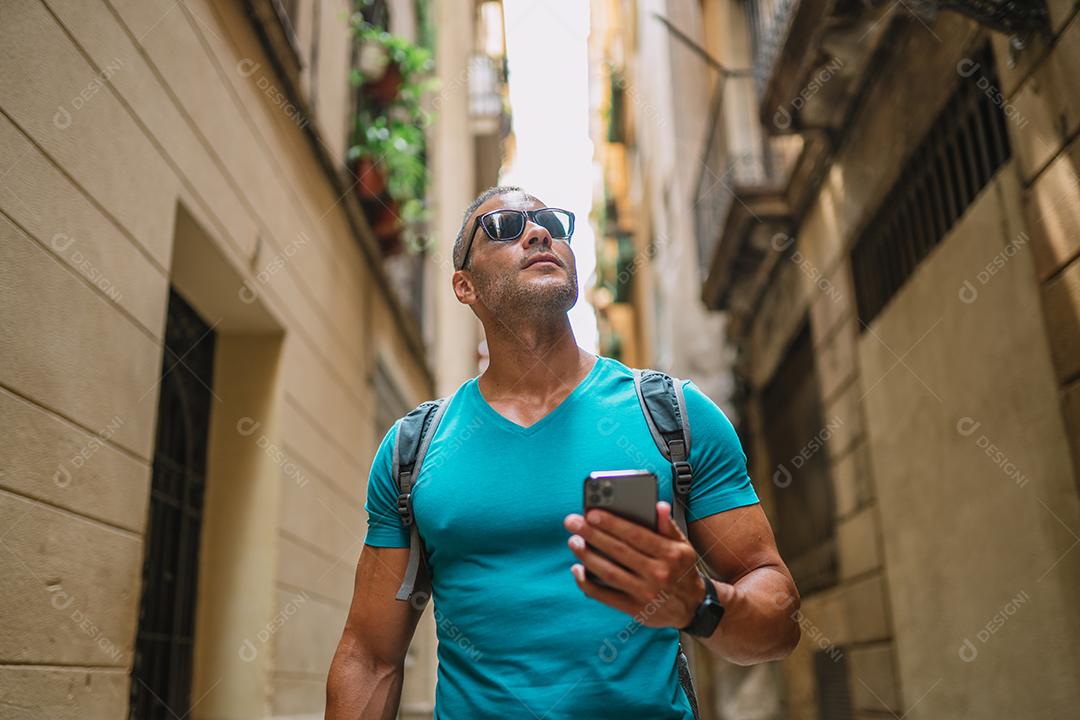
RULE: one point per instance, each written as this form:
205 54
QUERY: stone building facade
887 214
201 344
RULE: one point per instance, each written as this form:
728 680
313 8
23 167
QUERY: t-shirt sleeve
384 528
721 481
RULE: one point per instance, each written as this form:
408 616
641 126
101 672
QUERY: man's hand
661 586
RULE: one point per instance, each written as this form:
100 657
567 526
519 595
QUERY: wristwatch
708 613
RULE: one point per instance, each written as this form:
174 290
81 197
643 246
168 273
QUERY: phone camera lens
607 490
594 499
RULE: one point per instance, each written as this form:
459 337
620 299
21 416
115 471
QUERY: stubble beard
514 301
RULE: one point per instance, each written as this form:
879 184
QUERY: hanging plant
389 65
387 150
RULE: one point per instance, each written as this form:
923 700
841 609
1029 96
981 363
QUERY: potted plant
387 63
387 151
370 177
390 165
365 155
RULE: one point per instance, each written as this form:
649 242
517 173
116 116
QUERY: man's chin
552 291
550 297
563 300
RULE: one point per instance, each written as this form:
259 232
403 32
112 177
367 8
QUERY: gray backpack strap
686 679
664 407
411 443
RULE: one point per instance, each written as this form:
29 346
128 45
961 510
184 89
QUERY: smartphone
631 494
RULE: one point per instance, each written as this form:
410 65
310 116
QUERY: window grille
161 674
956 159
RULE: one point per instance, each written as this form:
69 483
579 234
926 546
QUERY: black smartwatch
708 613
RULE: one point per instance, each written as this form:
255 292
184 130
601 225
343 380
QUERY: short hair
459 243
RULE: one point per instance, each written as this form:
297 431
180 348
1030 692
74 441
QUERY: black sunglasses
506 225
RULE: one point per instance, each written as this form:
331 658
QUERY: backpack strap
411 443
686 679
664 407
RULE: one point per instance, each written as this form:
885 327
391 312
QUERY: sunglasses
506 225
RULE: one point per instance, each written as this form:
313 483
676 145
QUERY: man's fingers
636 536
611 598
609 571
616 549
666 524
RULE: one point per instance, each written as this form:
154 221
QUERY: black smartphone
631 494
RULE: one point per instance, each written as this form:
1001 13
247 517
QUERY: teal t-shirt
517 638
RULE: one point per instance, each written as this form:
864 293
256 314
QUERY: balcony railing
743 170
487 81
769 21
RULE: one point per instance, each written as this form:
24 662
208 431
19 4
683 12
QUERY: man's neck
533 360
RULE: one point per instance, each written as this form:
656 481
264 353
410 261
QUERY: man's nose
536 235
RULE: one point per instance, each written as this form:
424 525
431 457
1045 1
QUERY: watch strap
708 613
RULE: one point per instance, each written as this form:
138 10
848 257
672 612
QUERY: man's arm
752 583
368 668
661 584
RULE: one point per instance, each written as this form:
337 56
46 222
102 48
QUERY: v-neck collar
507 424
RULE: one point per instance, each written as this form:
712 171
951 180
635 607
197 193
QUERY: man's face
511 278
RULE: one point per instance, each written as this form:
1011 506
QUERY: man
522 633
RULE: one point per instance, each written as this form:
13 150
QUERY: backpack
664 407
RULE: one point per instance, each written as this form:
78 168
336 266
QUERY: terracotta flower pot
386 88
371 178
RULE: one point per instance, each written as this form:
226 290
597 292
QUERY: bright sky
549 99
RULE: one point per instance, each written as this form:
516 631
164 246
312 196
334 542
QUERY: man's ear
463 287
